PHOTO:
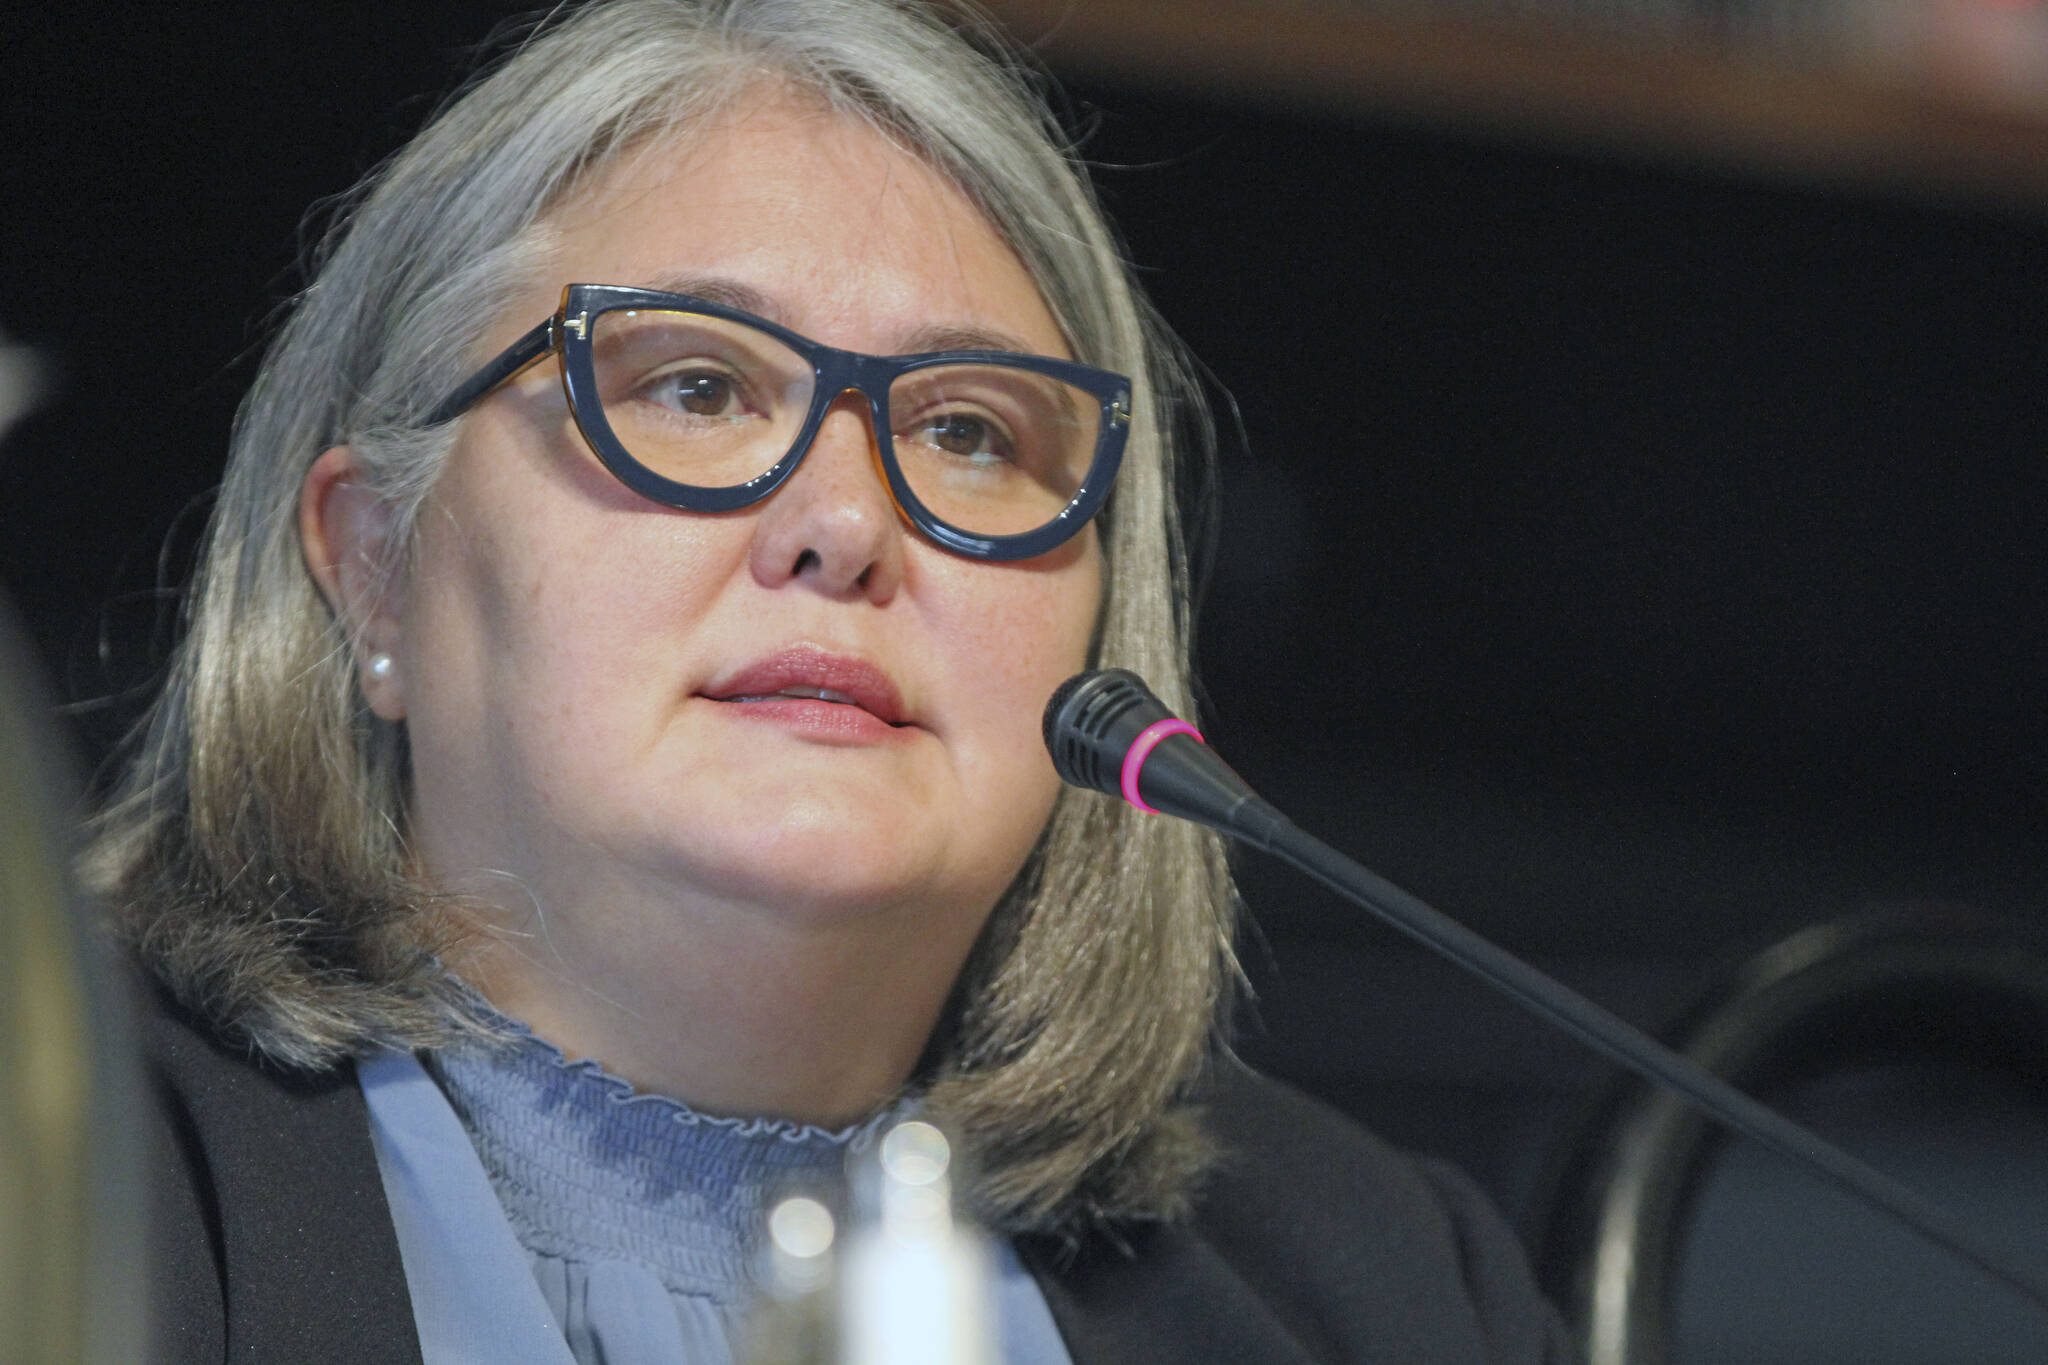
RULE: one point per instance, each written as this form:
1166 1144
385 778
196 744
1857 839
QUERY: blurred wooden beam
1661 94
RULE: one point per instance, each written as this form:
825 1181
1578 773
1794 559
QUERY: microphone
1108 733
1104 729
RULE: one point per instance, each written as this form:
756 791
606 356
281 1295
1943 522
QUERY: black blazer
1313 1242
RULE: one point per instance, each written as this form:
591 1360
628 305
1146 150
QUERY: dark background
1637 561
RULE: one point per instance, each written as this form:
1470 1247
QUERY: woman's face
606 697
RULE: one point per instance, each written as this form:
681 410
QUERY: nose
833 525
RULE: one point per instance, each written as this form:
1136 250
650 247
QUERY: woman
602 769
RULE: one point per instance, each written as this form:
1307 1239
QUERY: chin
818 871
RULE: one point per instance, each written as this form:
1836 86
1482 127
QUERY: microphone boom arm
1093 725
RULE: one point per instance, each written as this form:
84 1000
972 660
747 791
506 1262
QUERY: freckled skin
717 906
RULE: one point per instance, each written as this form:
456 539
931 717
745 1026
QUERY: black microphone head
1091 723
1108 733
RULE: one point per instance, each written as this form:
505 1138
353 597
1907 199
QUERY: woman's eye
958 433
700 394
692 388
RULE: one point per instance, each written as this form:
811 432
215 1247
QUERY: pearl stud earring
381 666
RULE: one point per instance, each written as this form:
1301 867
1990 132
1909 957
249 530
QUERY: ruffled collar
590 1170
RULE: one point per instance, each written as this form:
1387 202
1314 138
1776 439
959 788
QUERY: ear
345 531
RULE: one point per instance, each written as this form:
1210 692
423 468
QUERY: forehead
828 225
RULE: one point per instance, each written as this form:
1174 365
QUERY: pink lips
859 700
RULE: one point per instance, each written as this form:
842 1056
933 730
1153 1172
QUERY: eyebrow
716 289
965 339
732 294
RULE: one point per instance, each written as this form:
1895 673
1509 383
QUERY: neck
731 1009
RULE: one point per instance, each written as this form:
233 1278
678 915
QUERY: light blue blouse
548 1213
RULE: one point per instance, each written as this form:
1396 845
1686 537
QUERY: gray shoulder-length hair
257 847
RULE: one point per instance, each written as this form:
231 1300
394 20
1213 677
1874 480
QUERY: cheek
539 619
548 547
1011 645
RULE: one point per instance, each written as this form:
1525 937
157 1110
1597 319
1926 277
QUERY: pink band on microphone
1141 749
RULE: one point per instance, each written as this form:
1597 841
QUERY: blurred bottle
908 1282
795 1322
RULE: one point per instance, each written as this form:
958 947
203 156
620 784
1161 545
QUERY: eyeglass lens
992 449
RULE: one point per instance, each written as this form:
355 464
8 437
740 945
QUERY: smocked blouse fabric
636 1214
608 1189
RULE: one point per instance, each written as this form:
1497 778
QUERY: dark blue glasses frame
568 333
